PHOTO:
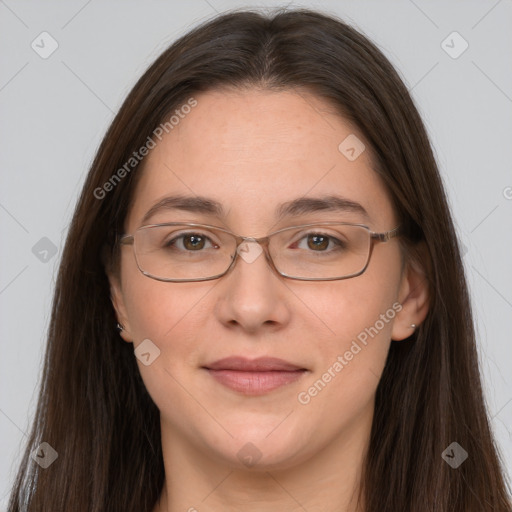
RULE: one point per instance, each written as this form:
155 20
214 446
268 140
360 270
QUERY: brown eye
320 242
193 242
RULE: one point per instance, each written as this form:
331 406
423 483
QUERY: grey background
56 110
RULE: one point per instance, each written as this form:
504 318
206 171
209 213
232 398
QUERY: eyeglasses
184 252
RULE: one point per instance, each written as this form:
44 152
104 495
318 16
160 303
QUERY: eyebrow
294 208
331 203
196 204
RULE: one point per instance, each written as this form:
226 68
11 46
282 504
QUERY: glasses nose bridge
263 242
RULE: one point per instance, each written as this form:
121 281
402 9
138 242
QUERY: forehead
254 150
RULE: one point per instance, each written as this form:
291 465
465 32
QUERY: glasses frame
129 239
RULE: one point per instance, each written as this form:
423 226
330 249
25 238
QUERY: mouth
254 377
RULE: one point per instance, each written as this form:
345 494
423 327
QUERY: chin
262 453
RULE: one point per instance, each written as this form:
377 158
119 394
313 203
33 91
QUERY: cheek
357 308
170 315
156 309
359 314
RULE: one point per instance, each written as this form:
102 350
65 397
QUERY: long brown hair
93 408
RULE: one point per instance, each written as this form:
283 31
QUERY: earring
119 327
413 326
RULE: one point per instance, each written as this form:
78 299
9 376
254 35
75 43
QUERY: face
251 152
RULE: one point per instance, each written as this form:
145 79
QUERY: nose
252 295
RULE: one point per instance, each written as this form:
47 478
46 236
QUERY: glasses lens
321 251
183 252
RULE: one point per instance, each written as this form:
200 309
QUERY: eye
193 242
190 242
319 242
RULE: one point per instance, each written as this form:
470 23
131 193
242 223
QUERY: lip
254 376
260 364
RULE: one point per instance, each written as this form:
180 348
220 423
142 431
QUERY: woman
261 303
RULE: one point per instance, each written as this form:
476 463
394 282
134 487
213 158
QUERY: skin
238 147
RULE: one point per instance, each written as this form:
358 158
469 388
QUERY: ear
117 298
413 295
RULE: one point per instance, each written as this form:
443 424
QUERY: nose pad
249 250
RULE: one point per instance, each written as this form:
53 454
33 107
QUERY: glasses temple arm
388 235
125 240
